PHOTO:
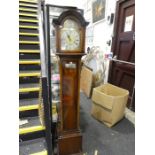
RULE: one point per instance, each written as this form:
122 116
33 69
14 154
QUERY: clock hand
68 36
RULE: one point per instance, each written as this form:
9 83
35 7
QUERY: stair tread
28 14
28 10
29 73
30 85
28 42
29 61
31 147
33 125
28 20
28 27
29 51
29 1
27 102
28 5
28 34
32 121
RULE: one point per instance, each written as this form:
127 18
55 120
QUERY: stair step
29 67
28 14
33 147
28 27
29 51
29 107
29 73
23 88
28 104
31 129
30 1
29 85
40 153
28 20
28 42
28 34
29 80
28 9
27 62
33 125
29 56
28 5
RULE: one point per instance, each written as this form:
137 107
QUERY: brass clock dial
70 36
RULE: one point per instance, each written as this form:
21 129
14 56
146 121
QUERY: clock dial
70 36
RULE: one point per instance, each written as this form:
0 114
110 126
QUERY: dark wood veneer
69 136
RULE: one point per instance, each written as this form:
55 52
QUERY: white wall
102 31
76 3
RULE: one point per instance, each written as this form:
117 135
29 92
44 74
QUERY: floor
118 140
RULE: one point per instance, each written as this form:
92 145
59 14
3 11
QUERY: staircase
32 133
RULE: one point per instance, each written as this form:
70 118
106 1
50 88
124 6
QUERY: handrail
48 53
44 82
42 50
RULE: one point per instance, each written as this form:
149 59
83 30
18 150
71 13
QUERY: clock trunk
70 138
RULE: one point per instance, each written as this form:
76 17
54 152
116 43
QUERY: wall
101 31
76 3
97 33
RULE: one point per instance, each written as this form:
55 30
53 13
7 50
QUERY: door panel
123 74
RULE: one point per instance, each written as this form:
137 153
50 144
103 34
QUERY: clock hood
70 13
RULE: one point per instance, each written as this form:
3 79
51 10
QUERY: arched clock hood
70 13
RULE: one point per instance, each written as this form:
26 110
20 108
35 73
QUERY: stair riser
29 95
31 38
32 136
25 30
28 24
25 80
28 7
28 46
29 113
29 56
29 67
26 12
28 16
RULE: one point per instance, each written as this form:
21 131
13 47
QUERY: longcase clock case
69 135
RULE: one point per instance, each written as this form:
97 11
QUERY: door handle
121 61
134 36
115 57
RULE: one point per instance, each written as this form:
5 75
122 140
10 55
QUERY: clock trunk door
69 80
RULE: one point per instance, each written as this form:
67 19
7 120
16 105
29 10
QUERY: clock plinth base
70 144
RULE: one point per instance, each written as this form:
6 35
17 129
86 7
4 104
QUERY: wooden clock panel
70 84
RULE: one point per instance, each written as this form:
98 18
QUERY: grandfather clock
70 45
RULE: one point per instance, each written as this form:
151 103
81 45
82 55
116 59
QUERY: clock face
70 36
